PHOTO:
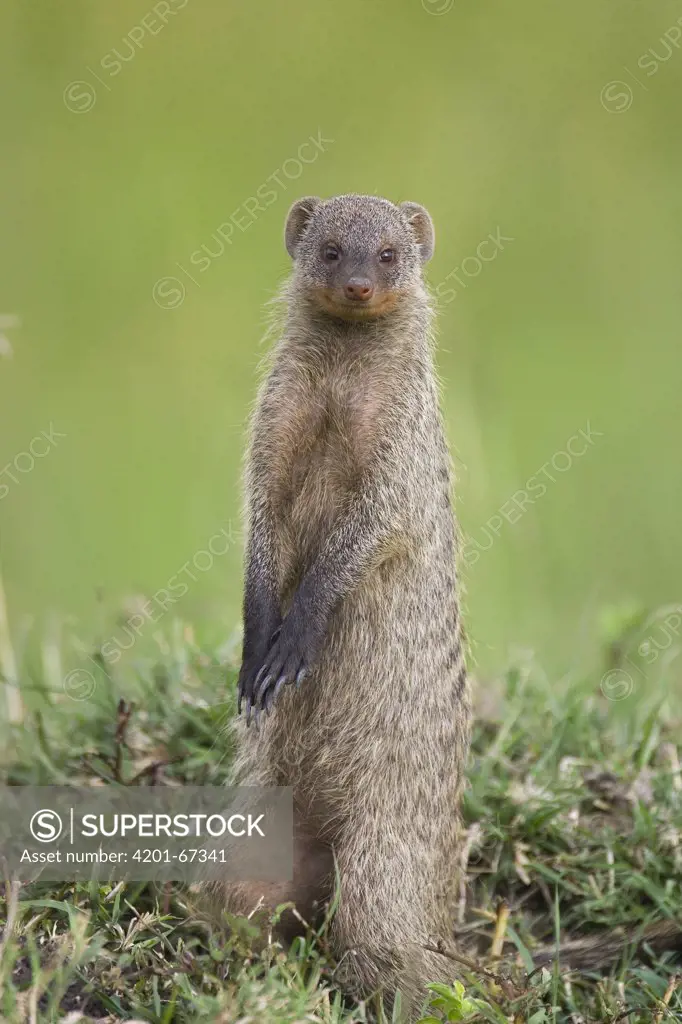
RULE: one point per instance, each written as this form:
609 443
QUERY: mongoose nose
360 289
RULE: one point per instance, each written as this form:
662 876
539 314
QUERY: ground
574 829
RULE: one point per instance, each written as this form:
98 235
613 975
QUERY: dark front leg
262 606
262 618
295 646
362 539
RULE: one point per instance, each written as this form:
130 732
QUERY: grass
574 828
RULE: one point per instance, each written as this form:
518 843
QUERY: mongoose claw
246 689
269 689
258 678
250 706
270 695
262 690
284 665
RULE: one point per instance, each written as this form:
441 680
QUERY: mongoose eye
331 253
386 255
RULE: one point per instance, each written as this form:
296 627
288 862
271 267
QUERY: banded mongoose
351 595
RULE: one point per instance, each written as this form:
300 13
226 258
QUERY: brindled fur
349 478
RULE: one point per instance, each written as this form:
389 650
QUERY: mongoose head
356 257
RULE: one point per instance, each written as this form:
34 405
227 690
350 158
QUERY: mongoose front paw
287 661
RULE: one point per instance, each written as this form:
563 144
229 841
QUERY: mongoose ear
419 220
297 221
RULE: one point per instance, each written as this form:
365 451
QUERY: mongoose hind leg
309 889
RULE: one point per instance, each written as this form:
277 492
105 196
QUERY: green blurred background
556 125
